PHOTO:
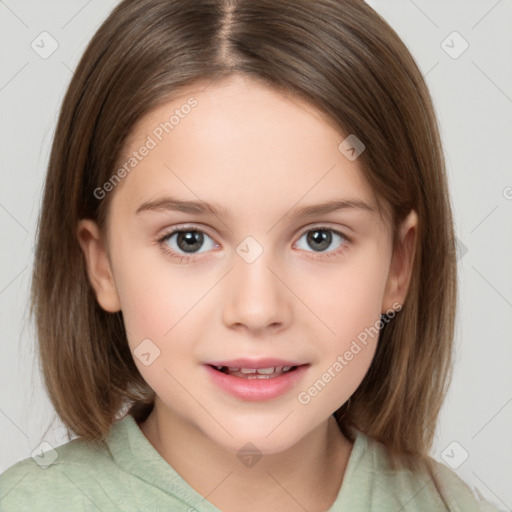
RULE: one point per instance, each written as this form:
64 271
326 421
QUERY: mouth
255 373
256 380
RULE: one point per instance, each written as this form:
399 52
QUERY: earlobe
98 265
402 262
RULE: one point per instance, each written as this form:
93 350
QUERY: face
244 236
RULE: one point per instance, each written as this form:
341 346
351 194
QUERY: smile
256 384
256 373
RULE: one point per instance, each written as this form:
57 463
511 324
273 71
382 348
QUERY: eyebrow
333 206
202 208
169 203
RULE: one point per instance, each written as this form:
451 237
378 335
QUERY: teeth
260 371
245 370
266 371
256 373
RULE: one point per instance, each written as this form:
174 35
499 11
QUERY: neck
306 476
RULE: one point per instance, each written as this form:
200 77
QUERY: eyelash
185 258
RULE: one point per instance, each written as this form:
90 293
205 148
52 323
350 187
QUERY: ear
401 266
98 265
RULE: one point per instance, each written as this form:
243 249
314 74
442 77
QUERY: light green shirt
131 476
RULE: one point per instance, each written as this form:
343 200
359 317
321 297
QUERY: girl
245 278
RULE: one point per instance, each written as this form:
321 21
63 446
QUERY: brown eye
188 241
321 239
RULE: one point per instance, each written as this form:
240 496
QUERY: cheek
155 295
165 310
348 297
349 308
161 317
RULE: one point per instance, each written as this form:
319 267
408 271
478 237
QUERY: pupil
190 241
319 237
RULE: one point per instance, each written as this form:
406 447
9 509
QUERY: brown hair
346 61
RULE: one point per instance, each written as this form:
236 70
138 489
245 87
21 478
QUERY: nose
256 300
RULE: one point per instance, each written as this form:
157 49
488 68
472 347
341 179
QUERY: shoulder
412 490
458 492
61 478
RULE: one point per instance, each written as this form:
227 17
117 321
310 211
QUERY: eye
322 239
187 241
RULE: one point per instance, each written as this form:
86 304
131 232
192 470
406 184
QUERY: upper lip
255 363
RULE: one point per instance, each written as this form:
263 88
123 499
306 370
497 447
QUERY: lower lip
256 390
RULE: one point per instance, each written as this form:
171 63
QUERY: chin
269 435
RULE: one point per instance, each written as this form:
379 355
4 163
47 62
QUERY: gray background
472 92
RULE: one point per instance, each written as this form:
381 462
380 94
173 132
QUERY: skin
260 155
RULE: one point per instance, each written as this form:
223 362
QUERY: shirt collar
132 452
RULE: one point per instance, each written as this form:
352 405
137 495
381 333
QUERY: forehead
242 143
